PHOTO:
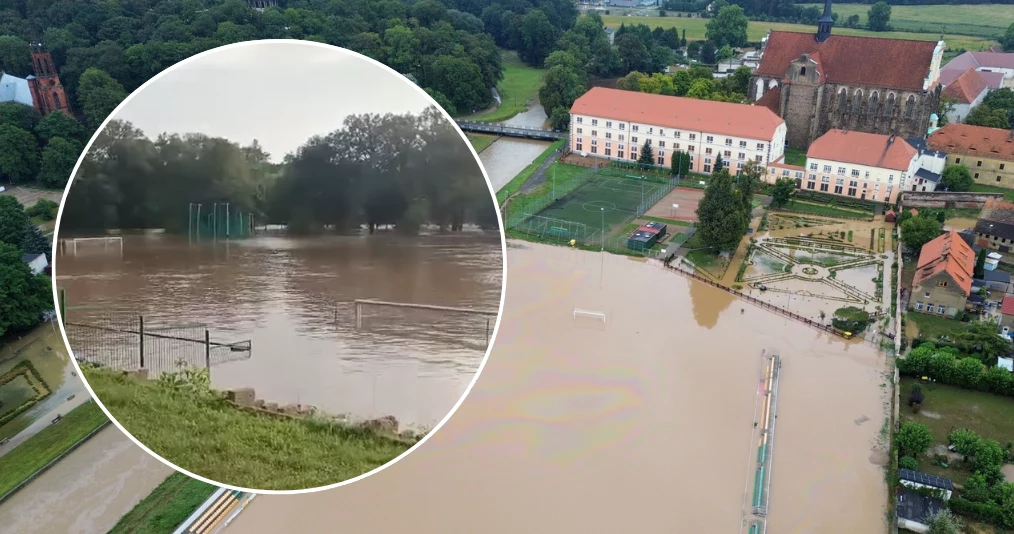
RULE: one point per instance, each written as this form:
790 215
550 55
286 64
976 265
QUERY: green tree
633 53
722 223
719 165
724 53
957 178
907 462
980 263
914 439
647 156
24 117
13 221
782 192
19 154
44 209
708 53
461 81
984 115
850 319
538 36
878 18
560 88
918 231
59 125
559 119
98 94
23 296
944 522
15 57
728 27
980 338
58 159
1007 41
36 243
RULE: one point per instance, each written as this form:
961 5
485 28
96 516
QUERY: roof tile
948 253
859 148
967 87
973 141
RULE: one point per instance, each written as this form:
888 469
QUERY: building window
942 283
579 120
742 144
813 166
876 187
609 124
707 168
852 191
633 139
595 142
693 137
760 159
608 144
889 108
619 154
661 160
690 148
941 309
661 143
595 122
676 134
802 71
707 150
661 152
728 142
579 147
634 128
621 137
595 149
839 181
873 103
739 165
957 161
710 139
707 160
910 108
727 154
620 146
857 102
595 133
813 176
811 185
609 135
661 132
823 187
827 168
890 178
742 155
608 151
918 306
651 131
976 176
842 97
837 189
1001 166
760 146
825 179
978 163
855 172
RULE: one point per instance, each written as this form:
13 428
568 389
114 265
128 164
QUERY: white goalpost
108 243
589 314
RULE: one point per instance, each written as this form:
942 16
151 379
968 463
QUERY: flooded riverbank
637 422
280 294
507 156
88 491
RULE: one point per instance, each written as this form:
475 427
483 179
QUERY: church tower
47 91
825 23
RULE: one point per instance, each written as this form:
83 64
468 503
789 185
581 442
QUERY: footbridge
510 131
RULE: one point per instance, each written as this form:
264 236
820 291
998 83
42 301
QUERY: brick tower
47 91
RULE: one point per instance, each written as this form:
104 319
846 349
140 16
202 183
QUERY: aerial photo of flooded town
758 273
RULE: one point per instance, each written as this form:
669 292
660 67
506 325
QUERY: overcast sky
277 93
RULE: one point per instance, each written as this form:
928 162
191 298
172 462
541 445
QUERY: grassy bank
480 141
518 181
519 86
166 507
985 20
931 327
205 435
37 451
757 30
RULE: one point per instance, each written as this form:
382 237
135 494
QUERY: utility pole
198 222
227 220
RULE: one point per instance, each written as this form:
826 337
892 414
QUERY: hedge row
983 511
967 372
841 215
833 200
16 371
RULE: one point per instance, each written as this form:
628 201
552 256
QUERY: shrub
914 438
982 511
44 209
907 462
942 364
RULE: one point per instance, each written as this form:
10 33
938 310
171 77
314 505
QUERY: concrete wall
941 199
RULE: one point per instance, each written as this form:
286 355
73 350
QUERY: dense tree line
995 111
401 170
23 296
695 82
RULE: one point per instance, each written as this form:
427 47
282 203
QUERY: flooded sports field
641 422
292 299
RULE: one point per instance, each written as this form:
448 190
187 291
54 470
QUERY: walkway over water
510 131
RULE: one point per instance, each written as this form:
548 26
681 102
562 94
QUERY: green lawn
931 327
166 507
947 407
756 30
706 258
822 209
981 188
518 181
14 393
520 86
21 463
986 20
207 436
480 141
795 156
45 349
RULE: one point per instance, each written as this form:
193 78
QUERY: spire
825 23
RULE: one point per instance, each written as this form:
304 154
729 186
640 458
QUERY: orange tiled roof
973 141
967 87
947 253
723 118
859 148
771 99
848 59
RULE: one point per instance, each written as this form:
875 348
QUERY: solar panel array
925 479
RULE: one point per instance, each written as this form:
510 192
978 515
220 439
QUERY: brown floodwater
88 491
280 293
508 156
639 423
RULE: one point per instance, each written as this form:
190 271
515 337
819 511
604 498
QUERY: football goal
588 314
103 245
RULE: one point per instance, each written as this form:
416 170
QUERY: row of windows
859 108
957 161
839 187
843 171
661 133
929 307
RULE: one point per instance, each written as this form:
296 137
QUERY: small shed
914 212
890 216
1005 363
641 240
36 262
996 280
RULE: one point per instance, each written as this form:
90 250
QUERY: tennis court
605 201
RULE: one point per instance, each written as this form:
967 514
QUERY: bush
982 511
44 209
944 365
907 462
914 438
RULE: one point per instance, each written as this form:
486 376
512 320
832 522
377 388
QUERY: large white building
615 124
860 165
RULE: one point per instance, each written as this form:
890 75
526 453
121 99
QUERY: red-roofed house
965 92
867 84
997 68
987 152
860 165
615 124
1007 313
943 276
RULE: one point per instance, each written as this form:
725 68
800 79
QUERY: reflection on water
635 426
280 293
88 491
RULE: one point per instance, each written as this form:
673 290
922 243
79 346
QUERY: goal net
93 245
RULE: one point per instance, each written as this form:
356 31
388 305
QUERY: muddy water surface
641 423
280 293
88 491
508 156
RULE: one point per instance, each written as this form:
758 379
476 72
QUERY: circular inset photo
279 266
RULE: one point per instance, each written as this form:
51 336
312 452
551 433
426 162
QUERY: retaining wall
940 199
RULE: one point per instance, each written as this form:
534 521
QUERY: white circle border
294 42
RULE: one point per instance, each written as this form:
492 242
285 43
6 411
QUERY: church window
889 108
910 107
56 101
842 97
858 102
802 71
873 103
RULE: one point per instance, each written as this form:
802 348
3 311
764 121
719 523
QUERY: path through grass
207 436
37 451
166 507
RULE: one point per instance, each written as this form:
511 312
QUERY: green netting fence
218 221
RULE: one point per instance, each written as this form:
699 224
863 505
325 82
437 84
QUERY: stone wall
940 199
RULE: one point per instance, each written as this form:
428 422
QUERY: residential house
943 277
966 92
1007 313
995 227
915 505
36 262
615 124
860 165
931 166
987 152
996 68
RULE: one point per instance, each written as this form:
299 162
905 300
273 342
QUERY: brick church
42 91
820 82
